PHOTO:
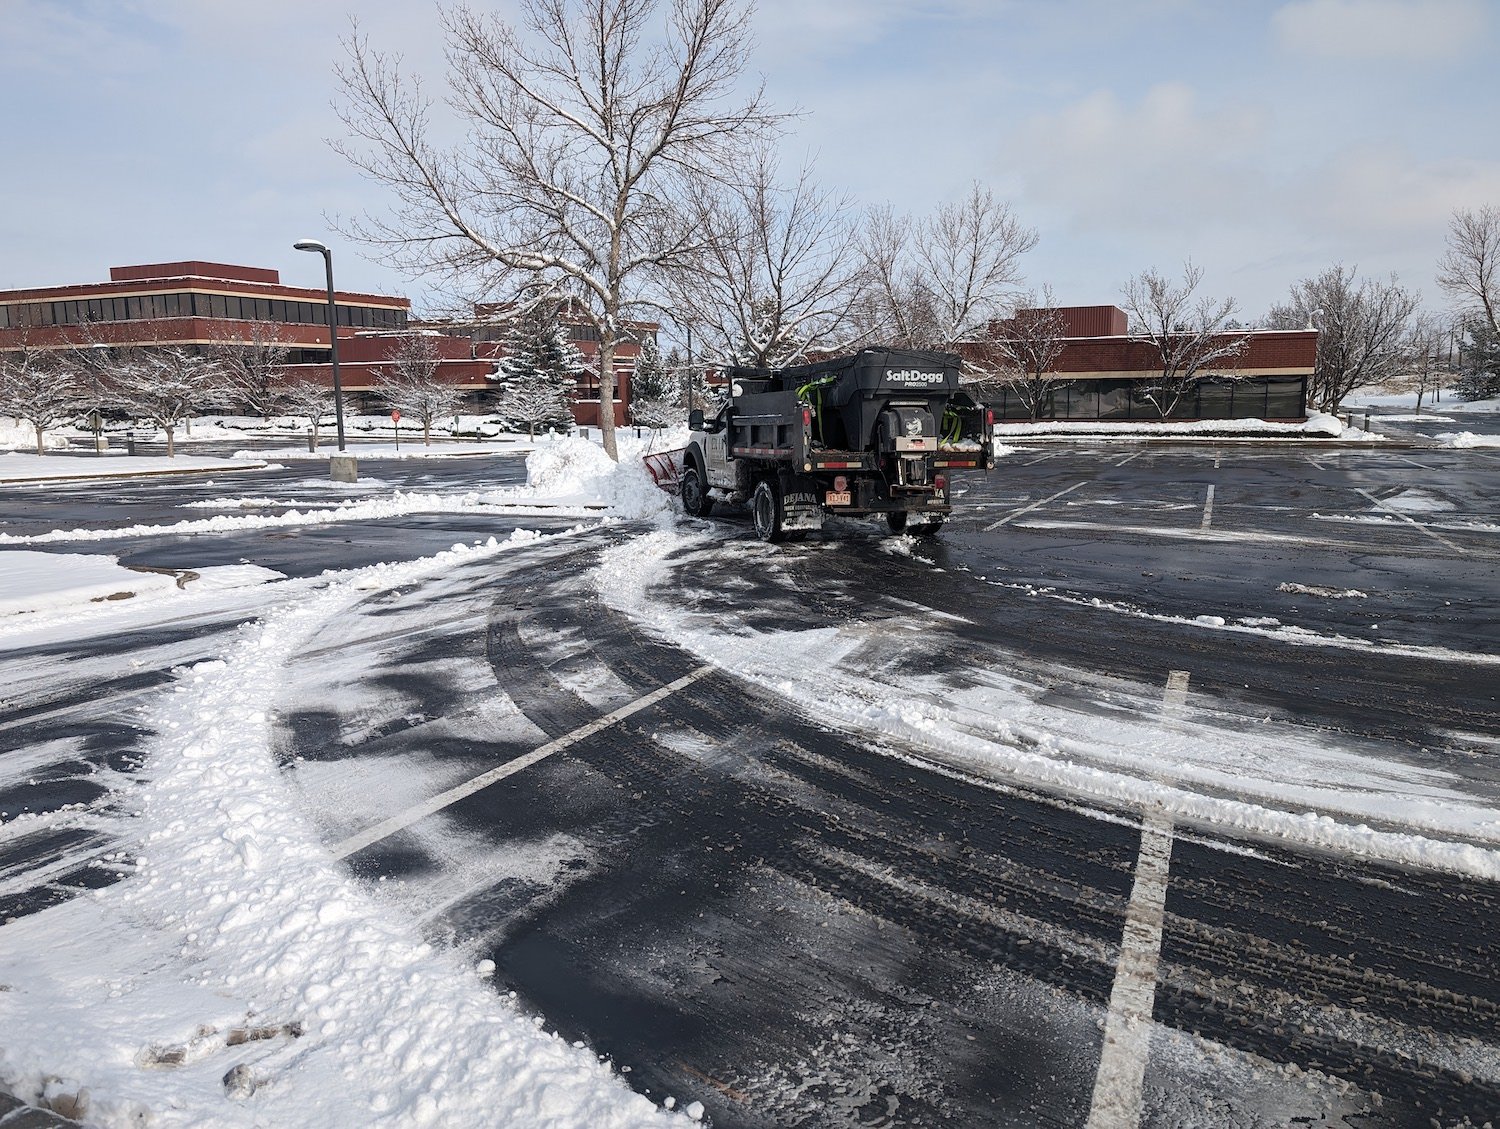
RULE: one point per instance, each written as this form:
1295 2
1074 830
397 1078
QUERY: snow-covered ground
19 466
238 928
1373 398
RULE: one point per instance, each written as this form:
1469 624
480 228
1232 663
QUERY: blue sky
1264 140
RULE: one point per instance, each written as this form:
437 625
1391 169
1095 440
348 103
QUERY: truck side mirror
695 419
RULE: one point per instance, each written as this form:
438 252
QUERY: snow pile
23 437
1320 590
1467 439
242 977
576 471
571 466
1329 426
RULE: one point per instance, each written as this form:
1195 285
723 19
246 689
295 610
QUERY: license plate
834 498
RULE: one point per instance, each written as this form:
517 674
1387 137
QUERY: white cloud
833 28
1163 163
1384 195
1413 30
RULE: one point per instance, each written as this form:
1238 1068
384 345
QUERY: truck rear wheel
896 519
694 493
766 506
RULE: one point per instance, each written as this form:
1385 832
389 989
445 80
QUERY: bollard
1367 419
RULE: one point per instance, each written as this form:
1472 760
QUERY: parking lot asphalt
748 902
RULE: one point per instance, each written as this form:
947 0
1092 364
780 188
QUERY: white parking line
1034 505
1127 1030
1414 462
1315 463
1116 1103
1208 511
1438 537
1044 458
1248 536
1127 458
444 799
1174 697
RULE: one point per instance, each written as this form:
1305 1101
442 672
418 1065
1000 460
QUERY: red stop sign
396 416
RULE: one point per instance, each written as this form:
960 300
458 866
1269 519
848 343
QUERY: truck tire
694 493
896 520
765 505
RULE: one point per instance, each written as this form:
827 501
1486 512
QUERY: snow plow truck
877 432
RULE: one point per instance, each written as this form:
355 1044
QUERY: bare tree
410 383
582 138
40 387
164 385
1029 344
253 367
1470 269
1192 339
309 399
1425 352
777 272
943 280
1361 323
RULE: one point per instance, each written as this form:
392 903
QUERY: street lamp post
333 332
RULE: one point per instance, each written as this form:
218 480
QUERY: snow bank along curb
92 469
1318 426
627 570
239 892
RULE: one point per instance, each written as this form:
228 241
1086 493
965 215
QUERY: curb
166 472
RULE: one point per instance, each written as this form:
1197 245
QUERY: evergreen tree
538 372
1479 369
655 391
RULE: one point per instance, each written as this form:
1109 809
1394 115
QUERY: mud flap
800 503
800 510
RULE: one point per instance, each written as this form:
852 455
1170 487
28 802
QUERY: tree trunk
38 438
607 392
171 450
426 433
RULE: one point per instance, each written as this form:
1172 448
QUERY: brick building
1103 374
207 306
